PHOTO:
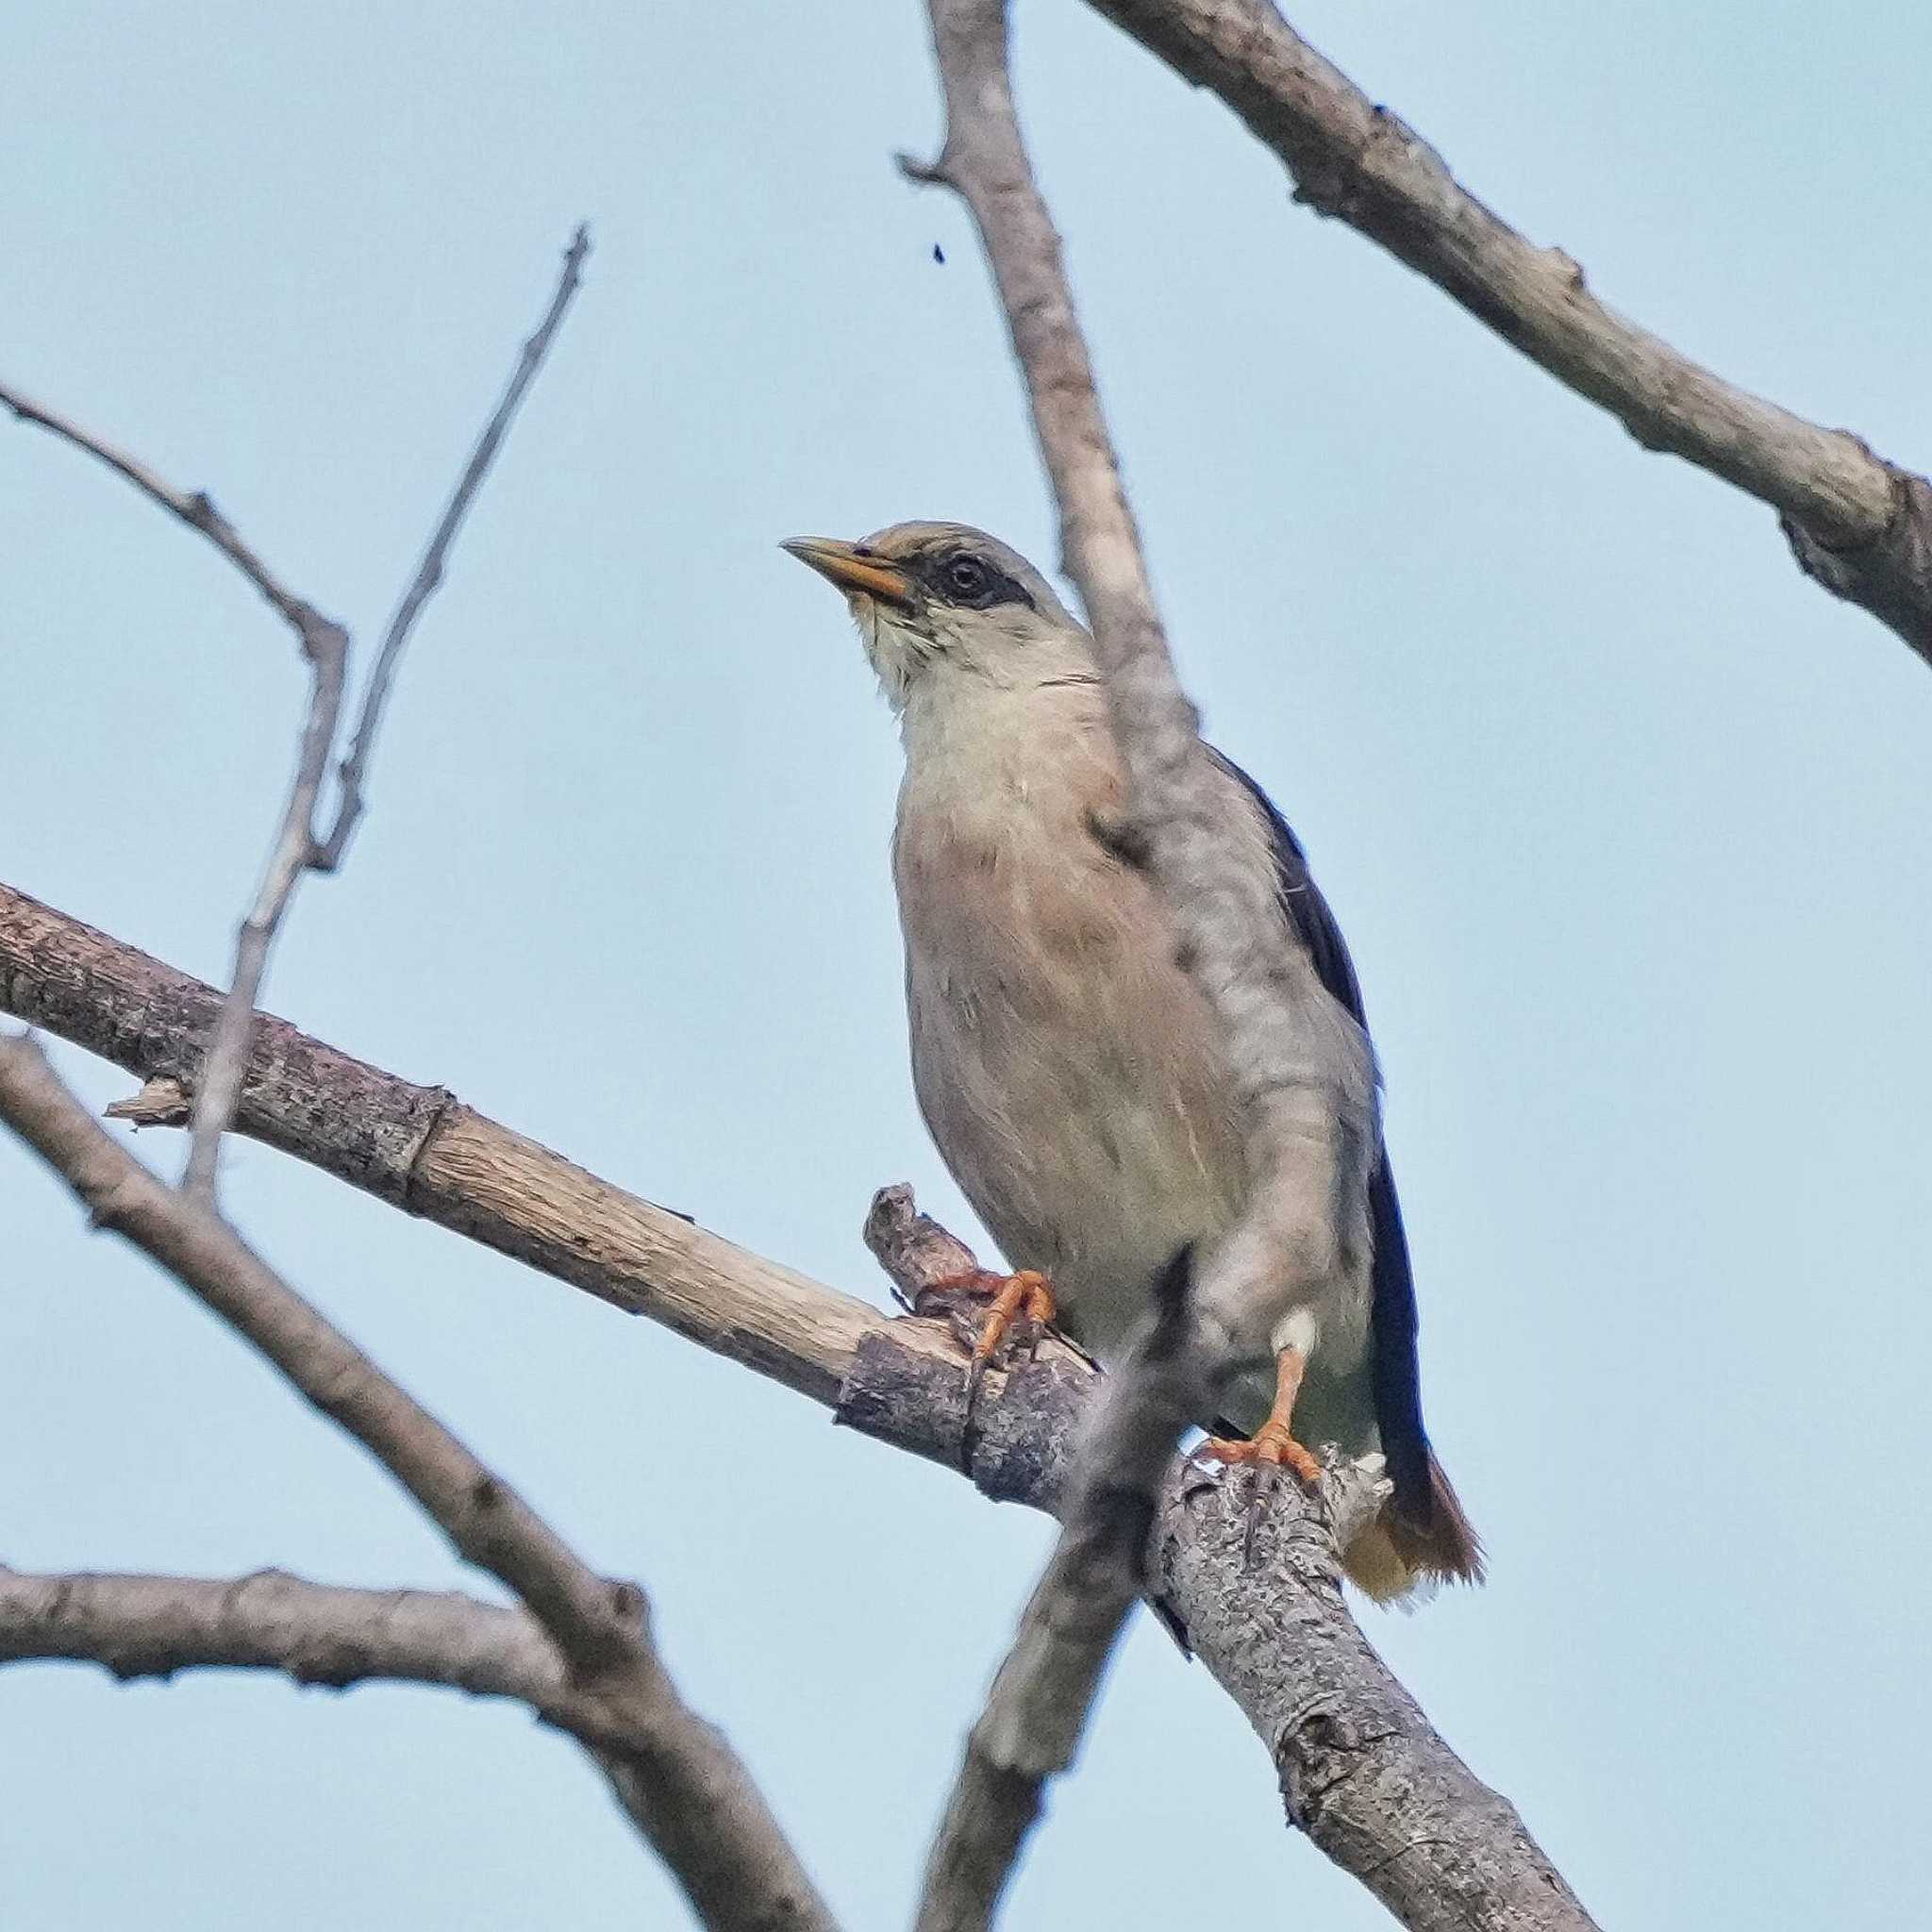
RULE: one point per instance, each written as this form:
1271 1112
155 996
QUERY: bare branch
162 1103
354 768
1297 1079
421 1149
1303 1075
317 1633
1360 1771
314 1633
1359 1762
1859 525
324 647
1041 1698
220 1078
488 1522
913 1249
297 848
196 509
730 1855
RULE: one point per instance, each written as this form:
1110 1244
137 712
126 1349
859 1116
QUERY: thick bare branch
1303 1074
421 1149
485 1519
1859 525
730 1855
351 804
1356 1760
1045 1688
1258 1601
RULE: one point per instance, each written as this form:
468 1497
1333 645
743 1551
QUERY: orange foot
1017 1309
1271 1446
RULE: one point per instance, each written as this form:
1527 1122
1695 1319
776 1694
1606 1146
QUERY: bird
1073 1077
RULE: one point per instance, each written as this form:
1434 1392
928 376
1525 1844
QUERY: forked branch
298 846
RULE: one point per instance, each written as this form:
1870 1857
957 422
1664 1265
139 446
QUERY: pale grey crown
958 567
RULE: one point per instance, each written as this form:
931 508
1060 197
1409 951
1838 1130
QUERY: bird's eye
966 576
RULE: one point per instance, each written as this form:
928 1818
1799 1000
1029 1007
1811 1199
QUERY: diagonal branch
1859 525
1264 990
1045 1688
1361 1771
1303 1071
729 1854
354 768
196 509
421 1150
220 1078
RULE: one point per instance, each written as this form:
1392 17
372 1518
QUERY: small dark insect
938 254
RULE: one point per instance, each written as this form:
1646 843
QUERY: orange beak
852 570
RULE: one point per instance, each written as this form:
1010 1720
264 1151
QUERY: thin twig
219 1082
1362 1770
707 1819
1301 1069
324 646
196 509
297 848
1858 524
351 802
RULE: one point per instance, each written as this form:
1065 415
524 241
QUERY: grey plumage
1071 1073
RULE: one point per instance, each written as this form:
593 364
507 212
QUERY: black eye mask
971 582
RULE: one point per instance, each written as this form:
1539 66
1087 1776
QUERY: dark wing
1394 1371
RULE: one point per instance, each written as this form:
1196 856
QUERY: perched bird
1073 1077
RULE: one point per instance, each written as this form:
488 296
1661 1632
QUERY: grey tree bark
1359 1767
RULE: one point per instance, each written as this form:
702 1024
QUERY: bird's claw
1268 1451
997 1318
1269 1447
1259 1496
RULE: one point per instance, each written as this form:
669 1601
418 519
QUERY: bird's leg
1274 1442
1271 1446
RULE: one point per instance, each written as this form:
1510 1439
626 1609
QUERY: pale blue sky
1624 820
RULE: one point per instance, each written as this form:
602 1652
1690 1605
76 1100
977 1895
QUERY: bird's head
942 602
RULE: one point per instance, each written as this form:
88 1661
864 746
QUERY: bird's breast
1071 1074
